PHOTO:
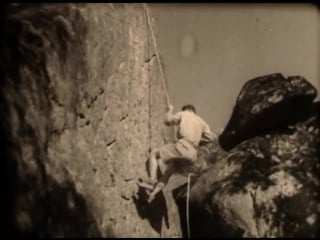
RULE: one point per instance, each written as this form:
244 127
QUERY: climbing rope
157 55
169 103
158 58
187 207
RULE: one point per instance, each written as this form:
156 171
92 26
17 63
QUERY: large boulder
267 103
265 186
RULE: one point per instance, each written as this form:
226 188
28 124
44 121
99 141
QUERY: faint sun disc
187 45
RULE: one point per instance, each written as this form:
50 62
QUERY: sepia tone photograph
160 120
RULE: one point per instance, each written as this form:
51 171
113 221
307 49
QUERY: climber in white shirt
192 130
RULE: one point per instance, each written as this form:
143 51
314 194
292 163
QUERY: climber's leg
162 182
164 154
153 165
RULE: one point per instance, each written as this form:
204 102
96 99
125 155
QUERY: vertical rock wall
82 104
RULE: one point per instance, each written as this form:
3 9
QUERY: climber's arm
207 135
172 119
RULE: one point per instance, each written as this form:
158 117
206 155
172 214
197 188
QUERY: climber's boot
147 183
158 187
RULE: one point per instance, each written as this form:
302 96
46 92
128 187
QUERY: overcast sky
210 50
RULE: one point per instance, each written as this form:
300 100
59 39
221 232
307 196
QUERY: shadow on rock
155 211
35 203
58 211
202 223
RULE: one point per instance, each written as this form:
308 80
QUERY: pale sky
210 50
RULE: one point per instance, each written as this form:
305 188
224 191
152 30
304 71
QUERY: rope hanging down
160 68
168 102
157 55
187 207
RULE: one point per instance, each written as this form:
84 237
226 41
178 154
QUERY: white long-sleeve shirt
191 126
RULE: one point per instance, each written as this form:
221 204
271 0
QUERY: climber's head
189 107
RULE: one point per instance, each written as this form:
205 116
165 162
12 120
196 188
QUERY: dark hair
189 107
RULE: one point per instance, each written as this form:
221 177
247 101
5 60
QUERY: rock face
81 106
266 186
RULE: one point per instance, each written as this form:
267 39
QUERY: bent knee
155 153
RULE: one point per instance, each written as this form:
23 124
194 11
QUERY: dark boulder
266 186
267 103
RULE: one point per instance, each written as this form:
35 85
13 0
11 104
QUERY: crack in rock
95 98
150 59
123 118
56 101
111 142
255 208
